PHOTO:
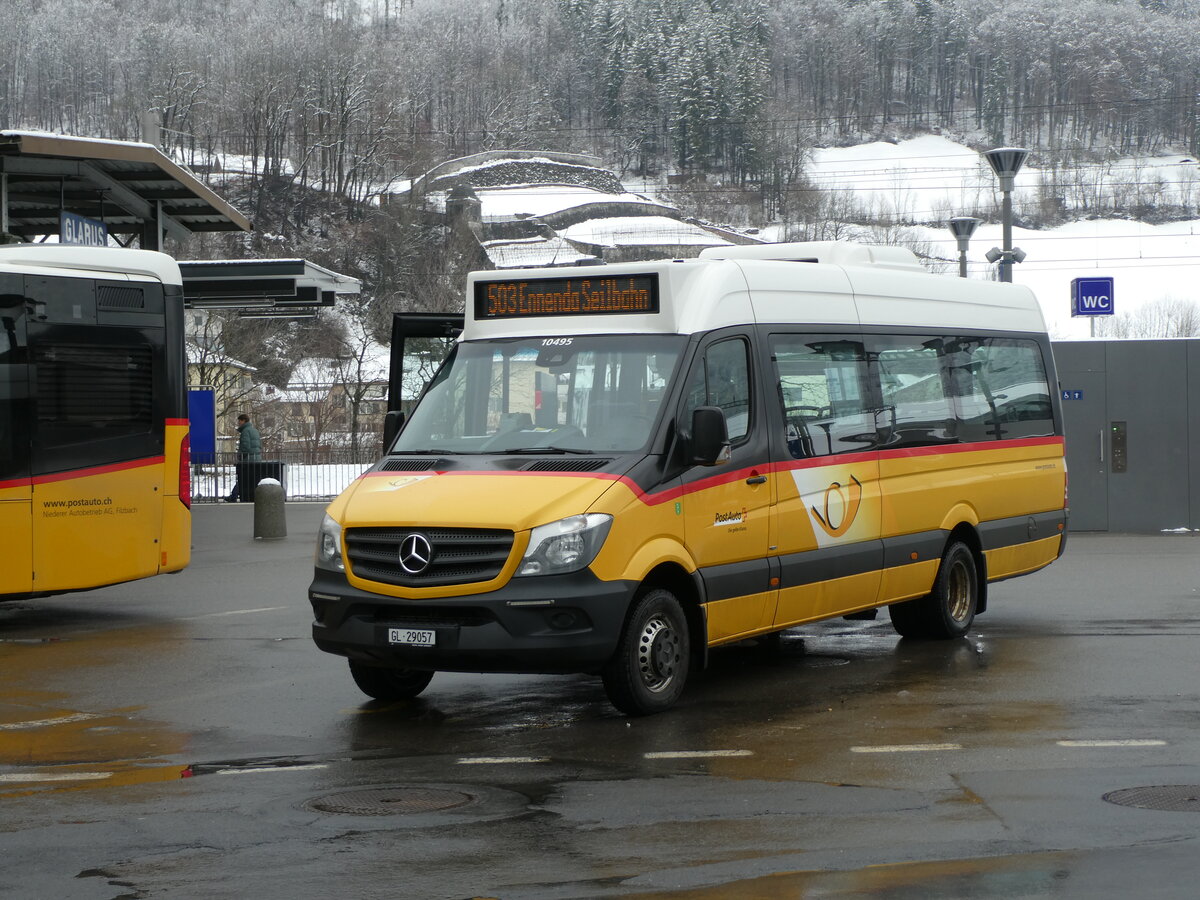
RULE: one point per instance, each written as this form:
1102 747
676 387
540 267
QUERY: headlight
567 545
329 546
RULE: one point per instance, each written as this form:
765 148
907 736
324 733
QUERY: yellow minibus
619 467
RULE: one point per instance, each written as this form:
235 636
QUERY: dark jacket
249 443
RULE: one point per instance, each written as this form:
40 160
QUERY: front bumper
574 626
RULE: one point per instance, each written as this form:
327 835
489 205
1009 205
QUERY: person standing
249 450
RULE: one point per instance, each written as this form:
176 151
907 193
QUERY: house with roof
334 405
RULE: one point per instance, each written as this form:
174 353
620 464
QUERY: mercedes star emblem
415 553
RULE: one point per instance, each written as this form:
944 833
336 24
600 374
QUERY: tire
949 609
650 667
389 684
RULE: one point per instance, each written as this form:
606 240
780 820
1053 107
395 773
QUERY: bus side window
1000 389
914 386
822 388
722 378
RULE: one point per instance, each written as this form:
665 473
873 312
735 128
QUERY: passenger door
16 523
727 509
825 433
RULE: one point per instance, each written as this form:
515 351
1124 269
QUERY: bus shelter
276 288
86 190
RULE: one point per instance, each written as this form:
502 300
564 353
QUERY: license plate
411 637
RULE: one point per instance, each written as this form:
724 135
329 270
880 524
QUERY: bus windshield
579 394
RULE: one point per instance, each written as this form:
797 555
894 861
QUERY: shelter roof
124 183
263 287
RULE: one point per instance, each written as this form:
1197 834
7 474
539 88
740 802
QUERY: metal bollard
269 519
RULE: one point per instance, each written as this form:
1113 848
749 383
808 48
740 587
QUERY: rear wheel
389 684
647 673
949 609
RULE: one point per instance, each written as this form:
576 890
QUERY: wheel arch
689 591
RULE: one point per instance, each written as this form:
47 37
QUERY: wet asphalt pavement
182 737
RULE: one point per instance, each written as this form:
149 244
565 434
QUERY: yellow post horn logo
850 505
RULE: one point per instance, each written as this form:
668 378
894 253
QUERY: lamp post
962 227
1006 162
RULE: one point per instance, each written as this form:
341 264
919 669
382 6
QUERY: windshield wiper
550 450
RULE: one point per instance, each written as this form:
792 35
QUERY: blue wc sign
1091 297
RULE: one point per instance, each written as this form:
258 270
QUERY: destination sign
591 296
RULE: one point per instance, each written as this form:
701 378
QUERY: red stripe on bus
184 422
814 462
844 459
99 470
674 493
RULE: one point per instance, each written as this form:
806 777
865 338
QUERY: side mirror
392 424
710 437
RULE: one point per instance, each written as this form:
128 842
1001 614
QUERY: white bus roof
85 262
826 283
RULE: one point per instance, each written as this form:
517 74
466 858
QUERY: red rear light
185 471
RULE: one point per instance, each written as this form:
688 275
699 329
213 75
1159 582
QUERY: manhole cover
1165 797
394 801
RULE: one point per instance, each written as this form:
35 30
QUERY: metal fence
307 475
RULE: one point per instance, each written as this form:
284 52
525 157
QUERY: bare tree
236 387
359 372
1170 317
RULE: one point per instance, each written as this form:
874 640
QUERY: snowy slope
929 179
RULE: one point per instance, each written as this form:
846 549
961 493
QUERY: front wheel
647 673
949 609
389 684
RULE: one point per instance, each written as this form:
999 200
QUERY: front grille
458 555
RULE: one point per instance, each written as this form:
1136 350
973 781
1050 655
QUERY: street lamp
962 228
1006 162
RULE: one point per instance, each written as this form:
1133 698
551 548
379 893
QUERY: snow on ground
499 204
918 180
929 179
628 231
532 252
316 482
227 164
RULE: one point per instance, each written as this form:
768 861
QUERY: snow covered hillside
925 181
